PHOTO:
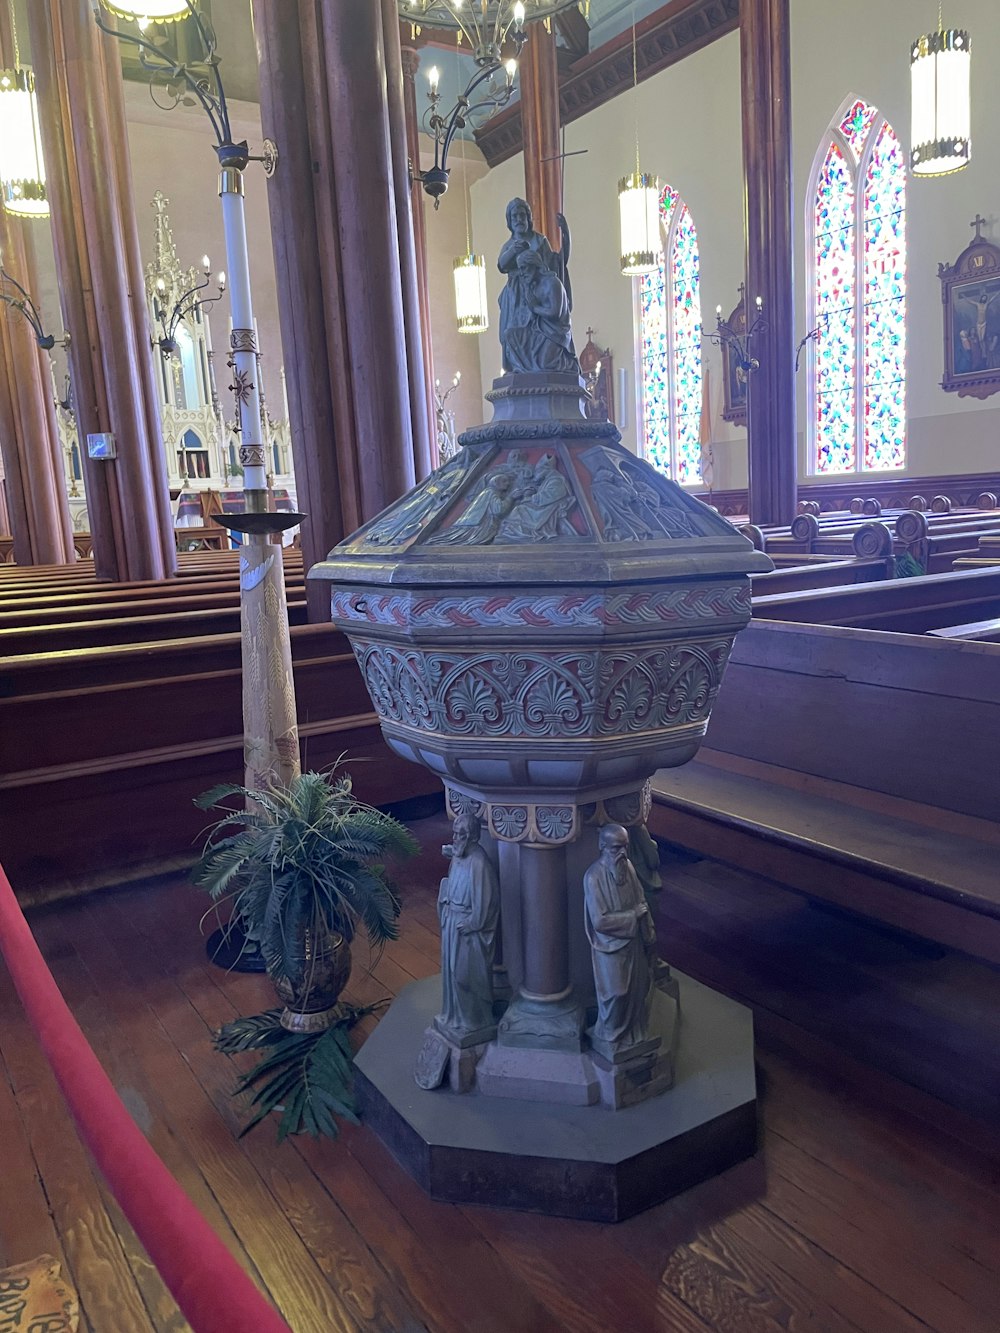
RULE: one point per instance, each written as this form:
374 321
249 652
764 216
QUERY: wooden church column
355 91
323 71
29 434
307 269
421 404
539 79
411 63
765 65
78 77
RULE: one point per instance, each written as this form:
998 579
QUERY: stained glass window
670 348
857 297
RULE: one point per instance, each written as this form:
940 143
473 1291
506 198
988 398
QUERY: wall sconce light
27 307
184 306
736 343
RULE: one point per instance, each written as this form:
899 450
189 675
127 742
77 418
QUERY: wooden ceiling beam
575 32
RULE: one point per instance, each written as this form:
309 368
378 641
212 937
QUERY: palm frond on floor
307 1077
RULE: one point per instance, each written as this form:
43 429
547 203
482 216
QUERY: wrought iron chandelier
483 97
495 33
940 101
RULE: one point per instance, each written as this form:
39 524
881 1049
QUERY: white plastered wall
689 118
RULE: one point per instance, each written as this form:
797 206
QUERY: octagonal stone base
571 1161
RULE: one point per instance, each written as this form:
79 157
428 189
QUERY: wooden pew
86 709
103 750
858 768
163 626
16 579
981 631
820 574
178 601
93 594
906 605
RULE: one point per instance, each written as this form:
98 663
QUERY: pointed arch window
857 296
669 353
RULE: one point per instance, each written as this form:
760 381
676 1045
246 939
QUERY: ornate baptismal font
544 622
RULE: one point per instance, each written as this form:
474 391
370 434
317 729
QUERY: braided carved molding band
687 606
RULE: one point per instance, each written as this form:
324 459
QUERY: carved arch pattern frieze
524 695
546 824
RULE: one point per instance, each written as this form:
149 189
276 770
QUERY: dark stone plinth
573 1161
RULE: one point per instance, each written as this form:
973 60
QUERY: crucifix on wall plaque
970 294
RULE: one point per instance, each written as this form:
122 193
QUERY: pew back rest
912 605
915 718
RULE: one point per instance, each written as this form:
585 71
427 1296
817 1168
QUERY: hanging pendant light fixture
470 293
471 311
639 205
940 101
22 167
639 216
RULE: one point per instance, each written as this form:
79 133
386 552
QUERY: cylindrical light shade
153 11
470 294
22 169
941 113
639 210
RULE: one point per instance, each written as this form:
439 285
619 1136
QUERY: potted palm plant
303 867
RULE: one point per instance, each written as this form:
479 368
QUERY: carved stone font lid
542 495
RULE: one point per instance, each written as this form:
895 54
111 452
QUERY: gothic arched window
857 296
670 349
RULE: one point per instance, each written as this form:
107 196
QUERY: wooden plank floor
859 1213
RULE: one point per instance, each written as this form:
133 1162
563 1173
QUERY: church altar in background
201 444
